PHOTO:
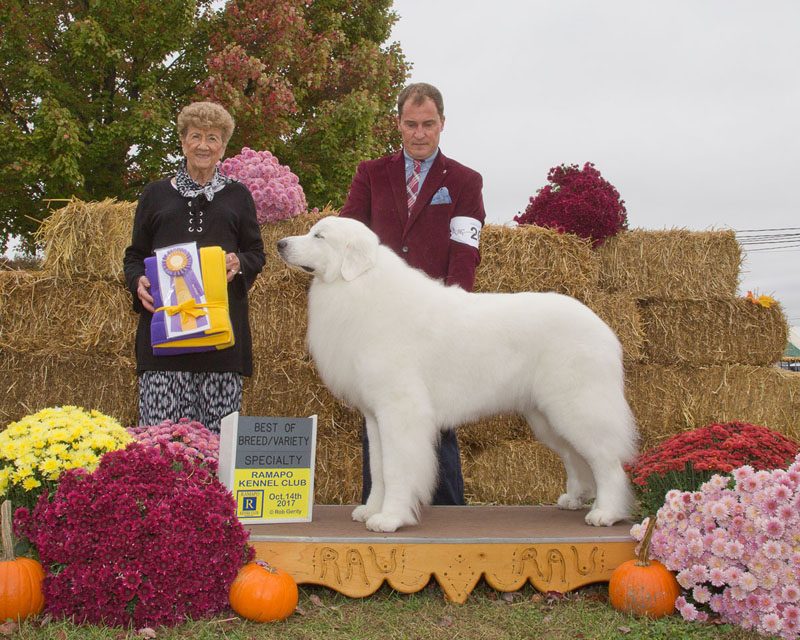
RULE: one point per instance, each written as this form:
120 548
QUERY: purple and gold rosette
193 297
186 293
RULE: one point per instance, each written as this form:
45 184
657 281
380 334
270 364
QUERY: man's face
420 125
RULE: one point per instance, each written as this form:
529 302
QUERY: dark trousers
450 487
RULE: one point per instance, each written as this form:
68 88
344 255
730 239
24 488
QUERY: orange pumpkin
644 587
263 593
20 578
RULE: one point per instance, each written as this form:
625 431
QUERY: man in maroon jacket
429 210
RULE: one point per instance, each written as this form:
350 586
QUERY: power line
774 239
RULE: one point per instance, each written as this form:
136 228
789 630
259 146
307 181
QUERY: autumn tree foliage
312 82
89 92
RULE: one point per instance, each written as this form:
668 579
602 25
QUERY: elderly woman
198 205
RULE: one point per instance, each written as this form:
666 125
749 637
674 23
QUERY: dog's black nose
281 243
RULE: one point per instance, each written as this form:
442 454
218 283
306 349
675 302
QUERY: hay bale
669 399
41 314
531 258
87 239
673 263
29 383
620 312
712 331
520 472
337 476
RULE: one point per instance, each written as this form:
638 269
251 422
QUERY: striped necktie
412 185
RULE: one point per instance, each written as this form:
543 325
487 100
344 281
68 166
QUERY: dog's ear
360 255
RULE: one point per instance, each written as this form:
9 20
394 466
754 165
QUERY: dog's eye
318 235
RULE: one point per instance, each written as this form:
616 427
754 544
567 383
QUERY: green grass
387 615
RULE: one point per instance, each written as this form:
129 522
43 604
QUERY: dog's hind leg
408 445
604 440
374 502
580 482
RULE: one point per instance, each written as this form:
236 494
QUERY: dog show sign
268 465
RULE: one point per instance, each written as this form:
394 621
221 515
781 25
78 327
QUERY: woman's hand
143 291
232 266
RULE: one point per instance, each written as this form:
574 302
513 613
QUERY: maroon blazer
378 199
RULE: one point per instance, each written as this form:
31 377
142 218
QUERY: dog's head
333 248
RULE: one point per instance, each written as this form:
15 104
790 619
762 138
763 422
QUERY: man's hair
417 93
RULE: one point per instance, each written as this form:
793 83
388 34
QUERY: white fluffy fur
416 357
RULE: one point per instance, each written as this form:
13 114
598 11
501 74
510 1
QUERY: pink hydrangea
746 568
275 189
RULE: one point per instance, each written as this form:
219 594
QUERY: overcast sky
690 108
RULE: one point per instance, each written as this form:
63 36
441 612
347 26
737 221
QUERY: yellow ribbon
189 308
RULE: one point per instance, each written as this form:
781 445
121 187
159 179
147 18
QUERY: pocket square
442 196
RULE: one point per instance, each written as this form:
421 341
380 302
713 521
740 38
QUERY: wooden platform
508 546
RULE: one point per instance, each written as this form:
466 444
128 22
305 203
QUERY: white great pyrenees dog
415 357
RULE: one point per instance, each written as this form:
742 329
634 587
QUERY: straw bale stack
42 314
534 258
712 331
620 312
521 472
29 383
87 239
668 399
673 263
694 354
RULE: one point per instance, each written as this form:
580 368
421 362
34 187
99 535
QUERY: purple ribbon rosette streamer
184 286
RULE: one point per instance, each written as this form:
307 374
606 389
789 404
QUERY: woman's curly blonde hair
206 115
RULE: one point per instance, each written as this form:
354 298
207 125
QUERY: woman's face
203 148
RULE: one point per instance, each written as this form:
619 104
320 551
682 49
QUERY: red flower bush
147 539
577 201
687 460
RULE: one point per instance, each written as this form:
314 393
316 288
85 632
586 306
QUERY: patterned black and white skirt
205 397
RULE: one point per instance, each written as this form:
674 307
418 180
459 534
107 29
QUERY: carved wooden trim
358 566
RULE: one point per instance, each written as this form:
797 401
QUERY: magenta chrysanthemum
148 539
577 201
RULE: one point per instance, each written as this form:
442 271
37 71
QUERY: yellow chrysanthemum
21 473
58 449
59 434
50 465
27 460
30 483
43 444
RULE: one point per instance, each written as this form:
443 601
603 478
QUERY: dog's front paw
600 518
384 523
362 513
572 503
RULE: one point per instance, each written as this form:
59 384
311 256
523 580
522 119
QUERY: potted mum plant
687 460
734 546
275 189
37 449
187 437
578 201
149 538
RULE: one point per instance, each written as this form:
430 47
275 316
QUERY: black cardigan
162 219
